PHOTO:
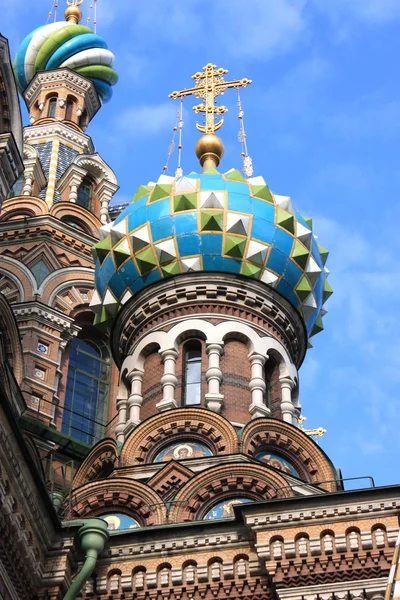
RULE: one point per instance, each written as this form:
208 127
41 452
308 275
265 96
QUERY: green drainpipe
93 535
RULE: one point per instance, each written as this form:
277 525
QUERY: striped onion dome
65 44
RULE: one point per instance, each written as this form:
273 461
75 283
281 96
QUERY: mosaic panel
276 461
119 521
182 450
224 509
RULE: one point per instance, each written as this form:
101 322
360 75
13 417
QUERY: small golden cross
319 431
208 86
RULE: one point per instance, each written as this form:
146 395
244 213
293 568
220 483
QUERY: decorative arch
171 425
21 275
89 222
23 206
128 496
209 487
55 280
96 166
301 451
12 340
98 464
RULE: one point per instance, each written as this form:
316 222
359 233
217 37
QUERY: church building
152 444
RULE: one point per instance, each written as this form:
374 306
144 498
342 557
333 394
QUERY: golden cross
208 86
320 431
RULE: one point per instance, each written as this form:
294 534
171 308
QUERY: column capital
214 347
256 358
135 375
286 382
168 353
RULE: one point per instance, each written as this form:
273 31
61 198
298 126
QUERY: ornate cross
208 86
320 431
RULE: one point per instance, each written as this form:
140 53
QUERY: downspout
93 536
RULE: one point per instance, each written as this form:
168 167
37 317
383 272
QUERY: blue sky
323 125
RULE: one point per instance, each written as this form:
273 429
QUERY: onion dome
66 44
211 222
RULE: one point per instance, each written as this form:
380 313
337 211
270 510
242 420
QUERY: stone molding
226 290
66 134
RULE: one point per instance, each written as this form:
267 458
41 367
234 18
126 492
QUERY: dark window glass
85 194
16 189
68 112
192 394
87 390
52 107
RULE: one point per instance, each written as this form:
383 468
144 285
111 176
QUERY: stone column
27 189
257 387
214 399
287 407
135 399
73 193
168 380
122 406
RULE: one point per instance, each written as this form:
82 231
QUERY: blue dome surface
211 222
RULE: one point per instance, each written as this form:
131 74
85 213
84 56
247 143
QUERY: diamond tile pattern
211 222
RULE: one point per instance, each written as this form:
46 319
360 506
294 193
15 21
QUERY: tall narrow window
267 377
192 374
68 110
85 193
52 107
87 390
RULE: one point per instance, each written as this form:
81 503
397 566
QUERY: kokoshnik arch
150 431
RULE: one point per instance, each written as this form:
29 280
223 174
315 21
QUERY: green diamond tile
285 220
324 253
262 192
101 249
300 254
328 291
211 221
121 252
185 202
303 288
318 326
146 261
160 191
142 191
171 269
234 246
308 220
251 270
235 175
209 171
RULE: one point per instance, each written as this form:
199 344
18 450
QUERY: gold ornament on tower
209 84
73 13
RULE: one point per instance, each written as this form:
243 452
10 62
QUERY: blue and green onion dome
211 222
65 44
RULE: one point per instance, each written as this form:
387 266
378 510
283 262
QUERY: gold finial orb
209 150
73 14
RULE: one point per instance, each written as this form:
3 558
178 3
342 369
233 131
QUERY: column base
166 405
214 402
130 426
259 410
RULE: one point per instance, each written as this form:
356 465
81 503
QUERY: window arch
69 109
87 390
192 374
51 111
85 193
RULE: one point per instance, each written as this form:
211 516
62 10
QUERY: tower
48 225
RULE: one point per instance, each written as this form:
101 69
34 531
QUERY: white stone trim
13 262
71 282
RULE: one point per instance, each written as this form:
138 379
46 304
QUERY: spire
73 13
209 84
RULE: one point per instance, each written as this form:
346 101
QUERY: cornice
67 134
46 314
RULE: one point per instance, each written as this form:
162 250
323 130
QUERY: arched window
51 112
192 374
87 390
69 109
83 120
85 192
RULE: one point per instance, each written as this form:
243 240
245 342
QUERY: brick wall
235 367
272 373
151 389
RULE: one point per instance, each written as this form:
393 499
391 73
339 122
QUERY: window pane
52 108
193 372
193 393
87 389
193 376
